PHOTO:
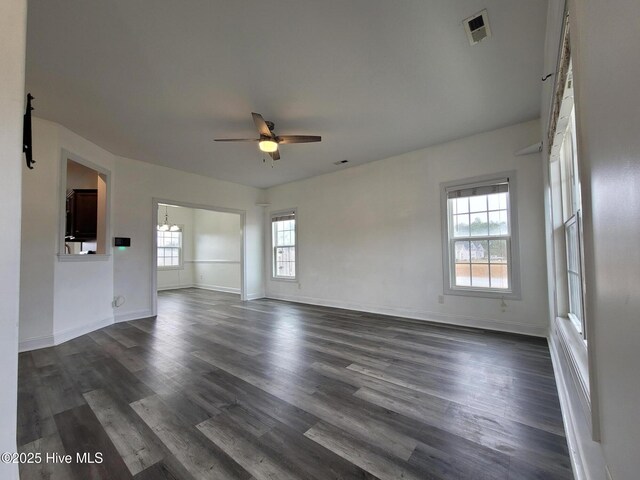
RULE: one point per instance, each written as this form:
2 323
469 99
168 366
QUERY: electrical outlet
440 298
118 301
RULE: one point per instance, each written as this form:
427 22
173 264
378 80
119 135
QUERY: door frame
154 243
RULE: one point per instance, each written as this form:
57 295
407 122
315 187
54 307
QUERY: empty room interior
320 240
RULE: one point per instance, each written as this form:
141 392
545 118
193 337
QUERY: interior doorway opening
197 246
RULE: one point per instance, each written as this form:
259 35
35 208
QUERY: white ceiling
158 80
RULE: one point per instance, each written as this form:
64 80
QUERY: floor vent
477 27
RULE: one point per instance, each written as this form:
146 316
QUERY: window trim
272 215
180 266
514 293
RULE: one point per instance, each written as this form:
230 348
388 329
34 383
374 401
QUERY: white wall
217 251
59 299
79 176
605 43
136 184
182 277
62 299
369 237
13 27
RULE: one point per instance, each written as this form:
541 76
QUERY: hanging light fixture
165 226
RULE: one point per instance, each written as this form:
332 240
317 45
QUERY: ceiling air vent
477 27
341 162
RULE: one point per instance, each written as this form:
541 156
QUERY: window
574 272
170 249
283 230
479 243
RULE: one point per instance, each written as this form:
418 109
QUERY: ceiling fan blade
261 125
275 155
236 139
285 139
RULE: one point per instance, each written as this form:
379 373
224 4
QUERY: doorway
197 246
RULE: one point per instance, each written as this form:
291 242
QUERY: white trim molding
217 288
133 315
235 262
176 287
98 257
587 459
56 338
436 317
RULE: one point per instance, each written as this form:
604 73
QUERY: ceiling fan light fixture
268 146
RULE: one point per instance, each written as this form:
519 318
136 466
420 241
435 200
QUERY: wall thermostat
122 241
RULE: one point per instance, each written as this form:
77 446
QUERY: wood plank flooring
216 388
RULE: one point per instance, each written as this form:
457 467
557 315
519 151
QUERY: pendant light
165 227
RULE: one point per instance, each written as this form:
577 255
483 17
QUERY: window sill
99 257
463 292
171 268
575 351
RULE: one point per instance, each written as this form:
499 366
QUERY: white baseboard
36 343
56 338
450 319
134 315
587 460
175 287
216 288
255 296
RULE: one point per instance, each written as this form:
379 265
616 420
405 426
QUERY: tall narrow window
169 249
569 196
283 231
479 238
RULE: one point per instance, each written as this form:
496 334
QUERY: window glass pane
480 275
479 261
503 197
494 201
284 251
498 251
478 203
462 205
461 225
479 251
499 276
462 252
498 223
463 275
160 261
479 224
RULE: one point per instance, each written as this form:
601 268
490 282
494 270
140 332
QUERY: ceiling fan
269 141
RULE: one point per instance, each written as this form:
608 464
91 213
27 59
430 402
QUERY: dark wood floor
215 388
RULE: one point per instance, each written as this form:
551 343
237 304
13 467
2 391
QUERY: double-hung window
283 231
170 249
479 238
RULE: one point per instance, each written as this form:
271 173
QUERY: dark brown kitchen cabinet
82 215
